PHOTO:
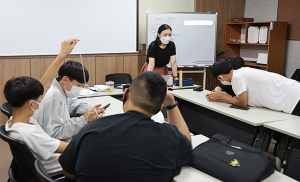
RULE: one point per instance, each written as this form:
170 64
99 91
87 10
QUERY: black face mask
125 97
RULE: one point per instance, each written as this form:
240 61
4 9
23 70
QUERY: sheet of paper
87 92
100 88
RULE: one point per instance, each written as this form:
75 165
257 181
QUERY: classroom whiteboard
164 6
32 27
195 44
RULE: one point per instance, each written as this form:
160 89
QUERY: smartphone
106 106
239 107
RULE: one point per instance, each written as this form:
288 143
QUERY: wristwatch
171 107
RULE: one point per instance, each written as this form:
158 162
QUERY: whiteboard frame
159 12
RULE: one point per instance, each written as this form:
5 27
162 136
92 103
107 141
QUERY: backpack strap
222 138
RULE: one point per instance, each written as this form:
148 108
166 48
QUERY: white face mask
165 40
226 83
35 110
74 92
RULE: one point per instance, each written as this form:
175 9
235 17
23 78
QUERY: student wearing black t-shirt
131 146
160 52
236 62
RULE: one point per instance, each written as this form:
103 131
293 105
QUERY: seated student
131 146
237 63
24 94
256 87
60 100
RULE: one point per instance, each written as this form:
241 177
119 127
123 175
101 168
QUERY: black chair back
296 75
13 172
119 78
6 109
41 172
23 158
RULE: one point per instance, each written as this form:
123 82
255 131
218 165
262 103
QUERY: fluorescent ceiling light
198 22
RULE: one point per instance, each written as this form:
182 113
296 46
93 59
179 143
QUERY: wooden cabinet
275 47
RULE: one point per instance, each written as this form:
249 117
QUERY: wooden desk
190 174
209 118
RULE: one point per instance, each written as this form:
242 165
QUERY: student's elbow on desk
241 103
241 100
244 104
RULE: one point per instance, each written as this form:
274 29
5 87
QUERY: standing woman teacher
160 52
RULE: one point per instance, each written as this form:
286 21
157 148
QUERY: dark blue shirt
126 147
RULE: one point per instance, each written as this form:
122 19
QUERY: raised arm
175 117
66 48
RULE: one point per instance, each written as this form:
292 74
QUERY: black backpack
229 160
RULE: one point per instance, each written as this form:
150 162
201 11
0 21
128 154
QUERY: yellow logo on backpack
235 163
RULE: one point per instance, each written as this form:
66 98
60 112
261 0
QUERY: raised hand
67 46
